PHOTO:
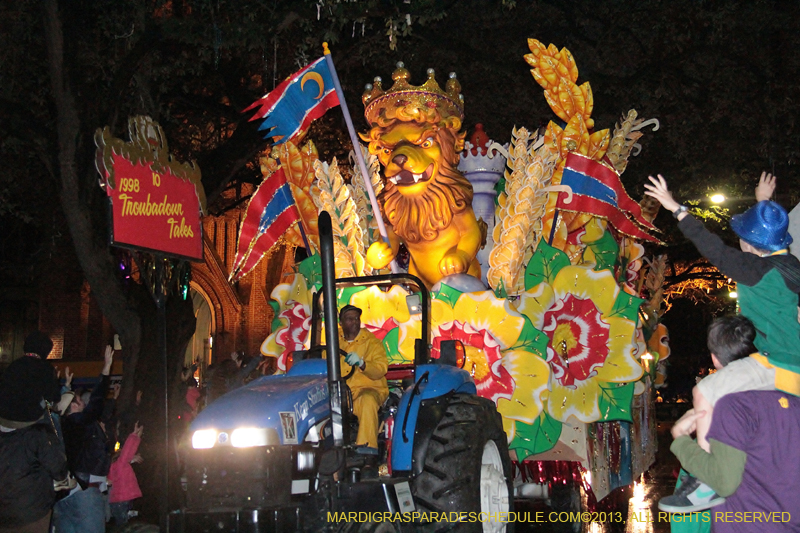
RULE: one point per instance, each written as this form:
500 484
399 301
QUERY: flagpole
359 156
555 222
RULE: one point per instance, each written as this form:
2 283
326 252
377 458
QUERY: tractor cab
278 454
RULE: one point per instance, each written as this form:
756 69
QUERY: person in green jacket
768 283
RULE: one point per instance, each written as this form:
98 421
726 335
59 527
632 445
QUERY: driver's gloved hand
353 359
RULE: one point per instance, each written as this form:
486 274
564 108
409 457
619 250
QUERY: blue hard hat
764 226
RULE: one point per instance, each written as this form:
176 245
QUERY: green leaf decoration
276 310
500 291
448 294
311 269
606 252
390 342
535 438
626 306
615 401
544 265
343 296
532 340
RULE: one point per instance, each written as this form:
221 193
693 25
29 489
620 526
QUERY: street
636 514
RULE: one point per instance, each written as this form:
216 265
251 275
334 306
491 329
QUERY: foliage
699 282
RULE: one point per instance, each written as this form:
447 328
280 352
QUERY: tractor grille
226 478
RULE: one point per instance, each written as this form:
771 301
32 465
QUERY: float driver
368 383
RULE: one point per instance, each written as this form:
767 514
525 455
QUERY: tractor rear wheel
467 468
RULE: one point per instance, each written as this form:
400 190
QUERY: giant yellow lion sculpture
426 200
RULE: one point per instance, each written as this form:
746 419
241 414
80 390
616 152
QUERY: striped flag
270 213
597 190
303 97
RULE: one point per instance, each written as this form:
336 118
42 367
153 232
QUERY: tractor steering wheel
317 351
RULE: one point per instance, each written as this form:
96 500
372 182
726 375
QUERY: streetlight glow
717 198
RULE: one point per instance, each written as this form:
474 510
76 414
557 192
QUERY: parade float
533 253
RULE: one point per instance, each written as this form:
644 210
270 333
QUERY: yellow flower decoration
504 353
531 375
383 312
591 328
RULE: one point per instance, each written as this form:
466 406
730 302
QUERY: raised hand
137 429
766 187
109 358
68 375
659 191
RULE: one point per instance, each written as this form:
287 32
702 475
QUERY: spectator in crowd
219 376
29 384
32 458
88 455
247 365
730 341
122 478
768 283
753 462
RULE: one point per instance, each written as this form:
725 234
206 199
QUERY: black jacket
741 267
85 440
25 384
30 459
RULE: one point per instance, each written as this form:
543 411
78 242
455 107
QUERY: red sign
156 202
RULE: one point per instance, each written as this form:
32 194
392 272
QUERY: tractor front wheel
467 468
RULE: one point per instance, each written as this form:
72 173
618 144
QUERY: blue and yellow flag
304 96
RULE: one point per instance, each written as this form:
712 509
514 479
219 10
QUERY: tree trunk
95 261
131 311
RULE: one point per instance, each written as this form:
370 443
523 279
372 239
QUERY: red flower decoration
382 331
578 339
293 336
492 379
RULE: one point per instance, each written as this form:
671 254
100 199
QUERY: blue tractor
277 454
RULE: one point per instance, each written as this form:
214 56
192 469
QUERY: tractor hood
288 404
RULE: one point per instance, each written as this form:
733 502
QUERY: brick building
230 316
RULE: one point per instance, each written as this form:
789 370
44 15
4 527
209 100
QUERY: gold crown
428 96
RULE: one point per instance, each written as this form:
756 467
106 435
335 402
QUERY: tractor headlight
249 437
204 438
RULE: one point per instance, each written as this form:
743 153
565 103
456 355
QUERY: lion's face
424 188
411 156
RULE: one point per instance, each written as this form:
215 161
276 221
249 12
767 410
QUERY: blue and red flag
303 97
597 190
270 213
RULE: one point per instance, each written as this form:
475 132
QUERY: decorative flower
506 355
591 326
291 303
385 313
482 358
658 344
381 332
294 336
578 339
